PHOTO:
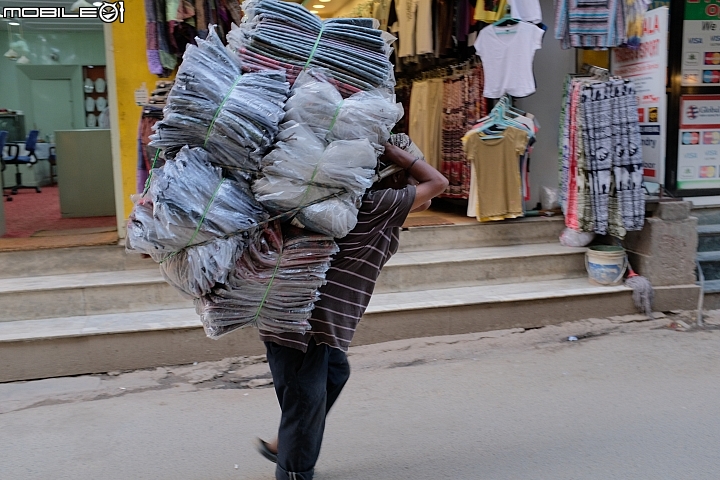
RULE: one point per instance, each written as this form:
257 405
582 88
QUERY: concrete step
125 291
712 286
100 343
492 234
422 270
57 261
708 238
710 263
86 294
706 215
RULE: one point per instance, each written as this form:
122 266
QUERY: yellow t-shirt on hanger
490 11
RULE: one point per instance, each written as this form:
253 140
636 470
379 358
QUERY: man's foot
267 450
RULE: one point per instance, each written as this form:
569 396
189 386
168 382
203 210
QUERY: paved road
632 400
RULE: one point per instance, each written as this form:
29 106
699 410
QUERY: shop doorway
53 94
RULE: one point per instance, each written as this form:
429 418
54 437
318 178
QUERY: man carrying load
309 371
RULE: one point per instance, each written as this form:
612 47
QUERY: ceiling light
318 6
324 1
14 24
99 4
314 12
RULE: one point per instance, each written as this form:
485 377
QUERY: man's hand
430 182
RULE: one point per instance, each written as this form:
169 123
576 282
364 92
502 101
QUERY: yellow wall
131 70
599 58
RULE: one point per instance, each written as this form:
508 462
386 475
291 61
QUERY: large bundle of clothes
327 149
213 105
257 179
276 34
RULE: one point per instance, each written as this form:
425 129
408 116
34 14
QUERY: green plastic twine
312 52
335 117
267 290
217 112
202 219
152 167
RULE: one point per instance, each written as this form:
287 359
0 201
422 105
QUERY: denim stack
276 34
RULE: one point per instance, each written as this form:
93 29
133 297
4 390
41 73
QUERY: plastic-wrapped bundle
315 102
141 234
301 171
195 271
190 203
274 283
278 34
193 203
211 105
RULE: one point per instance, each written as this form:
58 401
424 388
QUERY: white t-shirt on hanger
508 58
526 10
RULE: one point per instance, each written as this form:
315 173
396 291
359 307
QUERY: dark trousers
307 385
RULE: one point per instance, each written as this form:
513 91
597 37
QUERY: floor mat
425 222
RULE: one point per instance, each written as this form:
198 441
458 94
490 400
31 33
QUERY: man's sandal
264 448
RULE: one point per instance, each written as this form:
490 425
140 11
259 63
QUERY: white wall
552 64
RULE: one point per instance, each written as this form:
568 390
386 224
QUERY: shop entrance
54 103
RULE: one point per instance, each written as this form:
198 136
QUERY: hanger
506 21
499 118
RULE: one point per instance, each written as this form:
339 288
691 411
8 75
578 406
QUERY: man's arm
431 183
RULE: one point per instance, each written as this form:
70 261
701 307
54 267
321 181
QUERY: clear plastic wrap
273 284
367 115
211 105
195 271
190 204
573 238
300 171
193 202
277 34
327 149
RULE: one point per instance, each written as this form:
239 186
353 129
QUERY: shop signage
646 66
699 142
701 44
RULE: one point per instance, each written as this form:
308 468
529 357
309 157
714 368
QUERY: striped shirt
353 271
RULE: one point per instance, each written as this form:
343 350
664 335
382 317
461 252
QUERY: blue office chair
3 138
17 160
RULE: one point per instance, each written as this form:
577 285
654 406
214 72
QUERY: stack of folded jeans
273 284
212 105
277 34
